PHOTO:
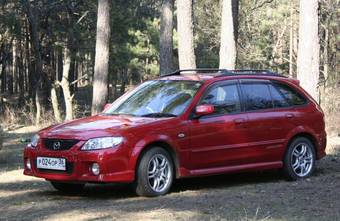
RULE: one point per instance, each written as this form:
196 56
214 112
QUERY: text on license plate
51 163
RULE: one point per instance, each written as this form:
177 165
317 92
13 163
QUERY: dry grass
14 117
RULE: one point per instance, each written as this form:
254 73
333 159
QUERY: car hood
95 126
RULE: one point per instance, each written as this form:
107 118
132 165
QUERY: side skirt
230 169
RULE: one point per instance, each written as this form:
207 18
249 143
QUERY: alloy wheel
159 173
302 159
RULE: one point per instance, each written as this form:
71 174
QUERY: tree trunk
100 80
55 104
186 53
1 137
14 86
308 48
235 9
38 61
124 81
165 40
21 74
228 44
291 36
65 85
38 107
3 69
325 53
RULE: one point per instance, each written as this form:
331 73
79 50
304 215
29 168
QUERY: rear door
270 118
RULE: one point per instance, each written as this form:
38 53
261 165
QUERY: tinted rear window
292 96
257 96
278 99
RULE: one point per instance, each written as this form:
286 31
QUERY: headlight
102 143
34 141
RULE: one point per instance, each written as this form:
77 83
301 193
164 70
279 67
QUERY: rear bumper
322 143
113 165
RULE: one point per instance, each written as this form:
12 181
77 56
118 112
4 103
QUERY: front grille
57 144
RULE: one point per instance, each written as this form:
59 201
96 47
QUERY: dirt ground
246 196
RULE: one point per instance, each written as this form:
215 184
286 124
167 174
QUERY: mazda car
186 124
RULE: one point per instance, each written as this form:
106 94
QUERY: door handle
239 121
289 115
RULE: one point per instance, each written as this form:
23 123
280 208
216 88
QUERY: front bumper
113 165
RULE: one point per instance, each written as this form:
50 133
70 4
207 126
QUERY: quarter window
225 99
257 96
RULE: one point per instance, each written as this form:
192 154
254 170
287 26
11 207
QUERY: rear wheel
155 173
299 159
68 187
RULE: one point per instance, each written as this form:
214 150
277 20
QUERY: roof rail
251 72
178 72
225 72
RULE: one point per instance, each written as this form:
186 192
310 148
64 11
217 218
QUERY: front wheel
299 159
155 173
68 187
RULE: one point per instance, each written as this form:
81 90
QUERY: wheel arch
307 135
166 146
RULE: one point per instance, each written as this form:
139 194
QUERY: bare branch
76 81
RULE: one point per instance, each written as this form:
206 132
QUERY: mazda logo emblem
56 145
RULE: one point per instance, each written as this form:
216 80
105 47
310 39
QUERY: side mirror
107 106
204 109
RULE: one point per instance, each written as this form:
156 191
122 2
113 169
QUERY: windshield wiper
159 115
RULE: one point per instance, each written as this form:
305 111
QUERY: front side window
158 98
257 96
224 98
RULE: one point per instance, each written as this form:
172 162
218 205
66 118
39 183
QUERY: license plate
51 163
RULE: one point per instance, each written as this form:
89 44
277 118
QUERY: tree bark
291 34
186 53
100 80
55 104
14 86
309 47
228 44
1 137
165 41
235 10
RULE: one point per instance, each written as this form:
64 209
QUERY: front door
219 139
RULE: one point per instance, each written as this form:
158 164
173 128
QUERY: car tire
155 173
299 160
68 187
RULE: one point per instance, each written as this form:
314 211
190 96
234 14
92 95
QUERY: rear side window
278 99
257 96
225 99
292 96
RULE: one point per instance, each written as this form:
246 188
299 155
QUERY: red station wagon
185 125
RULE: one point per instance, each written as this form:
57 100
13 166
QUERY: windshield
158 98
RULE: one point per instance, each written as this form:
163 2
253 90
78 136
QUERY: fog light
95 169
28 164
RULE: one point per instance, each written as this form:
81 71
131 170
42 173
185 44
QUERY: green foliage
207 32
135 40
